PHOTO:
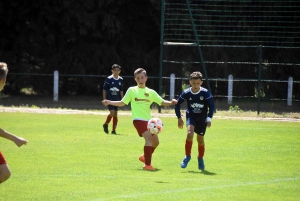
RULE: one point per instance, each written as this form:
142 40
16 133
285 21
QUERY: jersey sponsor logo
140 99
114 91
197 107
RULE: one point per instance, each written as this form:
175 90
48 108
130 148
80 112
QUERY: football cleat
185 161
105 128
149 167
114 132
142 158
201 165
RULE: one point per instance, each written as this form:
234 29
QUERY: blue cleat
201 165
185 161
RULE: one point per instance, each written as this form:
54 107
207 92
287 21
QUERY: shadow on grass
156 170
205 172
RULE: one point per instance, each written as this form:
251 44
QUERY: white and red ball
155 126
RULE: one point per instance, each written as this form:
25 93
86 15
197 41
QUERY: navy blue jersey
200 104
113 87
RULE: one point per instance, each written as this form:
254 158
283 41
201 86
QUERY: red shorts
2 159
140 126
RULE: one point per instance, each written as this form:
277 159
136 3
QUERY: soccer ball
155 126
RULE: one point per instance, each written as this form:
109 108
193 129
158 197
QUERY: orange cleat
149 167
142 158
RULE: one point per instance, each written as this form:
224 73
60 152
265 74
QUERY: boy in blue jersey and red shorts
140 98
199 113
4 169
113 90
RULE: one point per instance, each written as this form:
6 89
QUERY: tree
77 37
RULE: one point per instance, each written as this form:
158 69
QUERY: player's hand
20 141
180 123
208 124
174 101
105 102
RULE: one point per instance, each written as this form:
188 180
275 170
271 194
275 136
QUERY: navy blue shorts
111 107
199 124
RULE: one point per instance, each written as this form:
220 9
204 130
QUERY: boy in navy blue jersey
199 113
113 90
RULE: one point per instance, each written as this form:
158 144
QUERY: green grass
70 158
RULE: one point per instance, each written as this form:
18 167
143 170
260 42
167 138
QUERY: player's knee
4 174
200 141
190 134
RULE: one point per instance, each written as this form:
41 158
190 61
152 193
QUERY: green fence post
161 48
259 80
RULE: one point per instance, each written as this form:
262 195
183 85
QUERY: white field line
125 113
140 195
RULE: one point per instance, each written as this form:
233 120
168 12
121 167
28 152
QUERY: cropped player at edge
199 113
140 98
19 141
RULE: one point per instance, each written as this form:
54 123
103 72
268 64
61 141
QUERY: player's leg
115 121
141 127
155 144
148 149
188 142
4 169
108 118
200 130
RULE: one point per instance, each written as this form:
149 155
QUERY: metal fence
259 75
256 44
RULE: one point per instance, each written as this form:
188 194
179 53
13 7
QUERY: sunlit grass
68 157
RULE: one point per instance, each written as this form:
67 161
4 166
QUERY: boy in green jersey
141 97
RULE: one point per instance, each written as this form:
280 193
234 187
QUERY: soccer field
69 157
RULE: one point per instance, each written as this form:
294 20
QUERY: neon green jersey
141 100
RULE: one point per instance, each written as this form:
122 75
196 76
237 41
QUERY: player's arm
106 87
211 109
121 94
169 103
178 113
17 140
104 94
114 103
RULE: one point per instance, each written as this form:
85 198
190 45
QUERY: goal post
197 57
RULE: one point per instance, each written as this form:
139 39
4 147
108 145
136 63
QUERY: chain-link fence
249 68
246 50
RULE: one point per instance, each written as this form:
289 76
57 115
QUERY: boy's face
116 72
141 79
2 83
195 84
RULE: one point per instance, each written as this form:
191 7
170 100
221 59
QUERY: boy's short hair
116 66
196 75
140 70
3 70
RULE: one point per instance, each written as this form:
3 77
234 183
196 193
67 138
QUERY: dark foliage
82 37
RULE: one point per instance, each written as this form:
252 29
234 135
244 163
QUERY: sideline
125 113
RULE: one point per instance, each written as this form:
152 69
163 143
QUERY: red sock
201 150
188 147
148 154
108 118
115 122
153 149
